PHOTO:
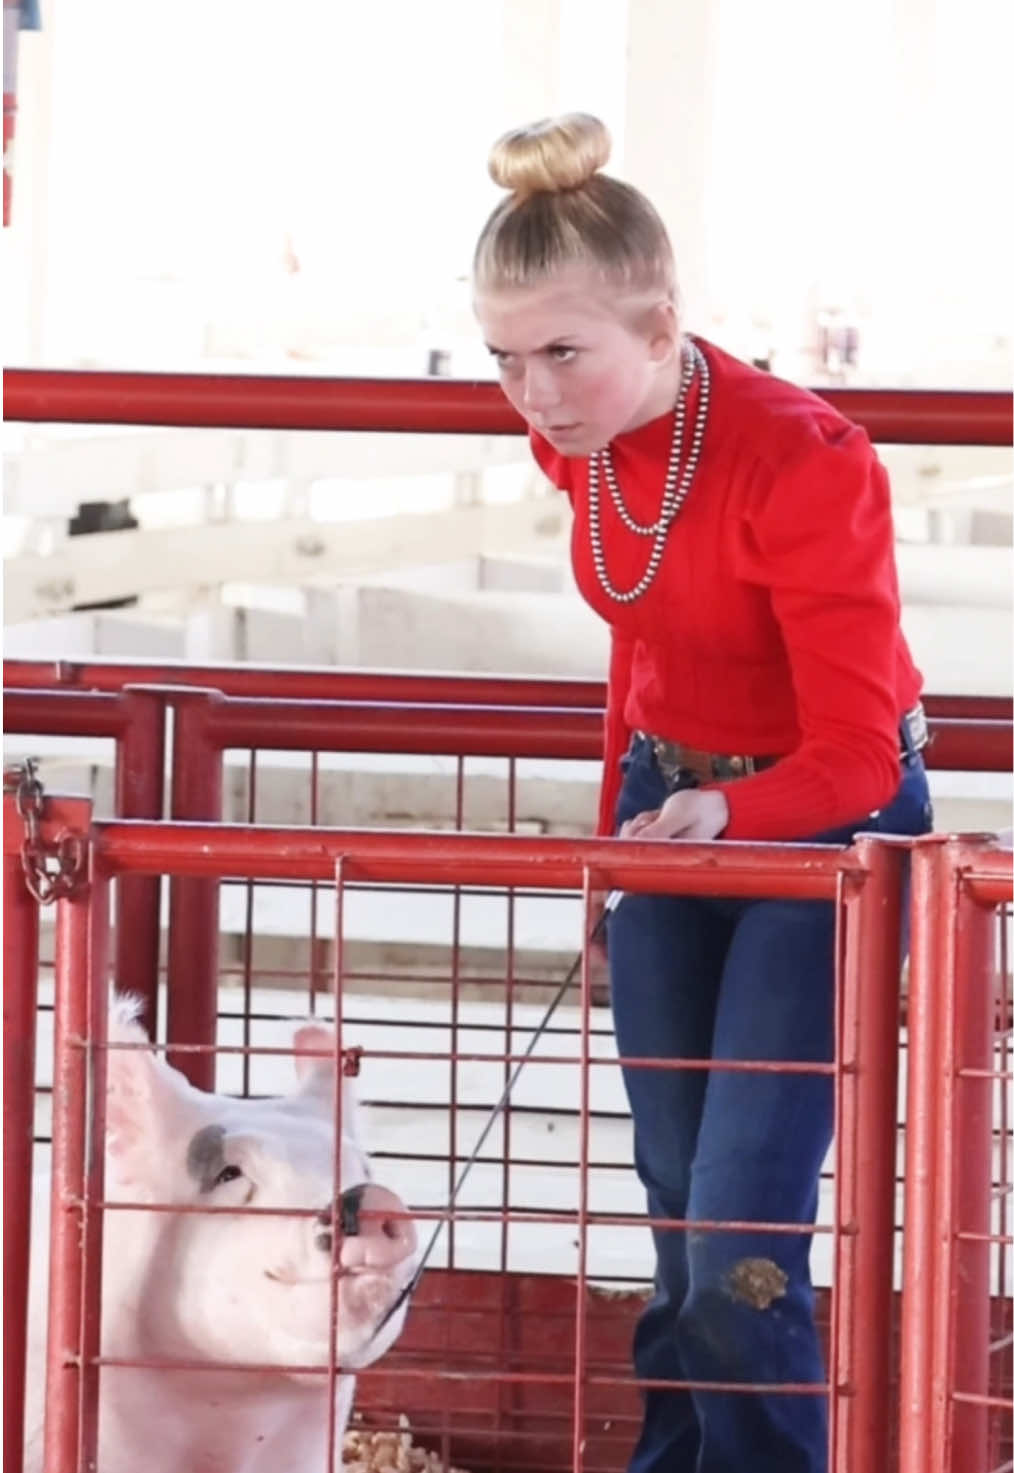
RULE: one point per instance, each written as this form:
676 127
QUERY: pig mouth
367 1298
291 1279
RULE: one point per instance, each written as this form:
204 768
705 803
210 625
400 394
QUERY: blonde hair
561 211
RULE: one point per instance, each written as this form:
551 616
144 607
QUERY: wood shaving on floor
388 1452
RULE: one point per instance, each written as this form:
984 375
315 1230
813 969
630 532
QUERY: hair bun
551 155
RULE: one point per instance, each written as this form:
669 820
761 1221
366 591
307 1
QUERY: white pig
220 1287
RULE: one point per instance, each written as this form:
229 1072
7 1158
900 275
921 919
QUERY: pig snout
374 1232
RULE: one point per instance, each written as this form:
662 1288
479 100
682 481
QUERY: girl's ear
662 328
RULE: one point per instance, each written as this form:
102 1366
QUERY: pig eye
227 1173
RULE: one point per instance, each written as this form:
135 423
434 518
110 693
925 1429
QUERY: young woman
735 533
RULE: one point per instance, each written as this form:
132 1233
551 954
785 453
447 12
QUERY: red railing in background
207 723
326 683
495 716
259 401
439 1388
957 1399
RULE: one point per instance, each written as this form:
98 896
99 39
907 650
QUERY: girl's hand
692 813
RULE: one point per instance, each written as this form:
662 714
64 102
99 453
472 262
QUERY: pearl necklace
674 492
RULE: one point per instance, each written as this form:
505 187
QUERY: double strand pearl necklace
674 492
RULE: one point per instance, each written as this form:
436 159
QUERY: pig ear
313 1051
144 1098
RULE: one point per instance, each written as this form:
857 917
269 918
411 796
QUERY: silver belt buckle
667 756
916 727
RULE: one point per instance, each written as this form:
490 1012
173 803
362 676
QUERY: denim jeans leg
748 1312
666 956
732 980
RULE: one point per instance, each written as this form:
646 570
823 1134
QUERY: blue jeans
718 978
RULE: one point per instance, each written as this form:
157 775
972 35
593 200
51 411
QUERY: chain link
52 870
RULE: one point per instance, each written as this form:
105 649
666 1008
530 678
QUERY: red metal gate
497 1369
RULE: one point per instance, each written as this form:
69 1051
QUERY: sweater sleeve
617 732
819 537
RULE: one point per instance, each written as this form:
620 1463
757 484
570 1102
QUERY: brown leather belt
674 758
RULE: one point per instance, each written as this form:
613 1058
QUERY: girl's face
577 361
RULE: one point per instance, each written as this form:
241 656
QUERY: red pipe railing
326 683
490 731
409 727
970 746
399 724
951 1145
411 856
866 1116
80 1009
391 406
192 957
21 974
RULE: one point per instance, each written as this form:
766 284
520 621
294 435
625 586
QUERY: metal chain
54 869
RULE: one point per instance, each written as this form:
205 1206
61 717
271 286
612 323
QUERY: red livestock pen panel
515 1351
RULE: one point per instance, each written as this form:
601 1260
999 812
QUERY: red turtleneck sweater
771 626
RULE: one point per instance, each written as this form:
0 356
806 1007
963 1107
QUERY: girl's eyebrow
561 342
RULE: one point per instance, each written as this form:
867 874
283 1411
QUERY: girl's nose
539 391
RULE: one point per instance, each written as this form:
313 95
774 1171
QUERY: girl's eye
562 354
227 1173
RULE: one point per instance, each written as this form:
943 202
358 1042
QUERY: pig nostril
349 1204
323 1240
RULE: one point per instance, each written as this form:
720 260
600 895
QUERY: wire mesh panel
515 1350
487 769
